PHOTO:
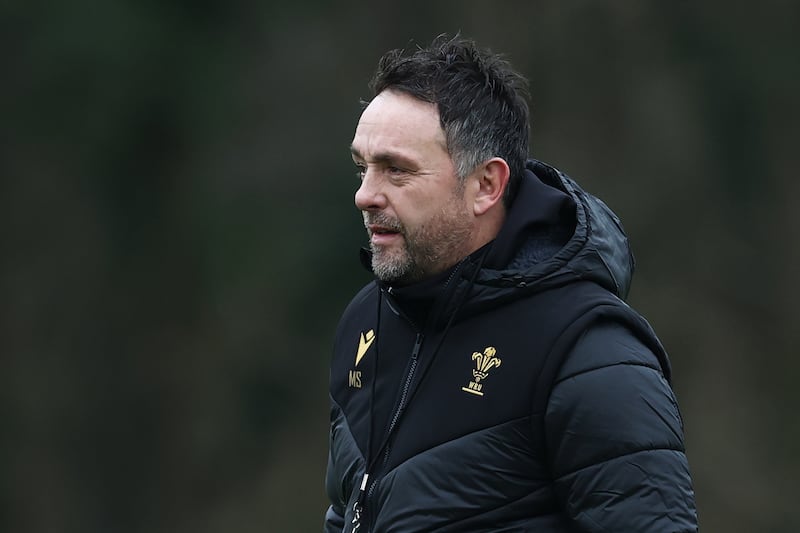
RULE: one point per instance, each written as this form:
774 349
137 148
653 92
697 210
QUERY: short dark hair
481 99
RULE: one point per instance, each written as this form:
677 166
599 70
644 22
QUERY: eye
360 170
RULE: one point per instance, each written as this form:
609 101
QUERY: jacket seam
507 504
398 465
615 457
609 365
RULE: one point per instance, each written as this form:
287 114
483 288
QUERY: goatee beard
431 248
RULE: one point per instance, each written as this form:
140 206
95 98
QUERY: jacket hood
555 233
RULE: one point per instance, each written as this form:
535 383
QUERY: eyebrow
386 157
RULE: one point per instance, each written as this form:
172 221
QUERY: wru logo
483 363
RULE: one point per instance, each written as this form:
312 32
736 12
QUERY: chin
390 271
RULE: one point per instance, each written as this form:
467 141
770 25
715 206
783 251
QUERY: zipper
365 497
409 377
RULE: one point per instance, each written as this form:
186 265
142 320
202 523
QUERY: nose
369 196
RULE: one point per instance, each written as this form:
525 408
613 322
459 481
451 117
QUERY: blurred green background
178 238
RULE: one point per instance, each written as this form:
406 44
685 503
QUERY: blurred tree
178 238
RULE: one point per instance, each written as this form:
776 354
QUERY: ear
492 179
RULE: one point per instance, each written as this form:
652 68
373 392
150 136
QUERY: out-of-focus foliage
178 238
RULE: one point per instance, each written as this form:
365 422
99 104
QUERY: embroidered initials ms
364 342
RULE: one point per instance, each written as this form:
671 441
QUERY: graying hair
480 98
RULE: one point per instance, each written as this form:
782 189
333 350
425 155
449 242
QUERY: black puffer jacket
517 392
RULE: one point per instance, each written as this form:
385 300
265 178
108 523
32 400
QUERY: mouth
381 230
382 234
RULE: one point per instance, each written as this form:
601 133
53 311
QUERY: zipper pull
358 508
417 344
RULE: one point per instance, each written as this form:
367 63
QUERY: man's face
415 208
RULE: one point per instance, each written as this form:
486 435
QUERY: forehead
397 121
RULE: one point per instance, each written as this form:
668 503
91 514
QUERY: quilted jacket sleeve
615 439
334 522
334 516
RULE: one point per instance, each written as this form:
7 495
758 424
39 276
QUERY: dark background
178 238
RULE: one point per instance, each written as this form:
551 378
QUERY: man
491 378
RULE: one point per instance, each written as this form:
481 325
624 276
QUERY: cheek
417 208
417 214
